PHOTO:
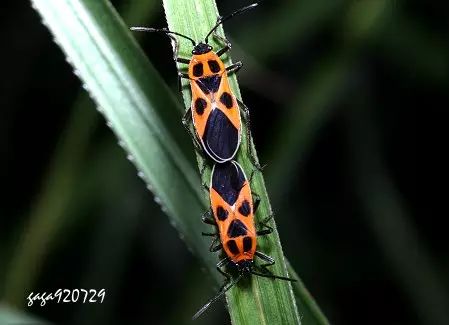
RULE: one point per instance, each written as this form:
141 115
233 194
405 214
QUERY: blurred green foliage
340 144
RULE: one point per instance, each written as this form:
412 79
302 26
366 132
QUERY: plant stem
263 301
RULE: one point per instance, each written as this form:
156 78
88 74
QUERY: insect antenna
163 31
272 276
216 297
221 20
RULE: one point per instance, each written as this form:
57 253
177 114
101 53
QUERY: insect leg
270 261
209 234
203 168
256 201
265 272
245 110
181 75
251 178
220 264
182 60
227 284
268 229
175 43
185 122
234 67
213 248
222 39
223 50
206 218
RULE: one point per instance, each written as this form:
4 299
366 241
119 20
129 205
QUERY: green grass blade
48 217
138 108
131 94
262 301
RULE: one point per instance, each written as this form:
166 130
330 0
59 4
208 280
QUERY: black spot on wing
237 229
209 84
213 66
245 208
228 179
226 99
221 137
247 244
232 246
222 214
198 69
200 105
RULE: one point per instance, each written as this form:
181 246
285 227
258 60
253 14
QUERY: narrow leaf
130 94
263 301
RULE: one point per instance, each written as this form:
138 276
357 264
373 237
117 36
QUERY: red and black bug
233 213
215 111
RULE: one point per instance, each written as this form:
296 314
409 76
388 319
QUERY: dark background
365 82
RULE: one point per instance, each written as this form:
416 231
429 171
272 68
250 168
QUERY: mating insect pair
215 113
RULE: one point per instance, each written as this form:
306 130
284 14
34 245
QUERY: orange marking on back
233 213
